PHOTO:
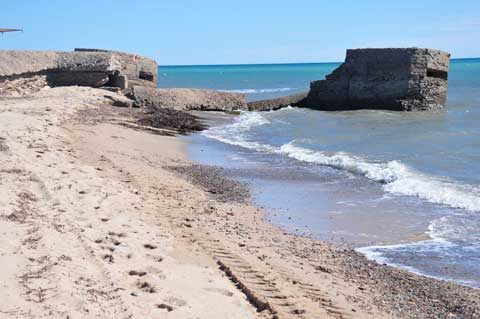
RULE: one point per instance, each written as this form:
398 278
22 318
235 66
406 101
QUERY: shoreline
107 184
355 208
295 228
338 247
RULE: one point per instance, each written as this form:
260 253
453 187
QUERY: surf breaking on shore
396 177
446 236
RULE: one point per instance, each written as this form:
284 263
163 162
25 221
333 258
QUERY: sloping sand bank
78 239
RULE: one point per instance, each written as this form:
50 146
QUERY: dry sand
92 225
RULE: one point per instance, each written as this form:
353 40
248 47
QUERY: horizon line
279 63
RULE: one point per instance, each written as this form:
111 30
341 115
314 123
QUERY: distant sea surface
259 81
402 188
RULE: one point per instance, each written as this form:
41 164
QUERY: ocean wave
396 177
438 246
378 253
449 239
256 91
447 234
234 134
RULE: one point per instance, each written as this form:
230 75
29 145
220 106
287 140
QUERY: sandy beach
104 218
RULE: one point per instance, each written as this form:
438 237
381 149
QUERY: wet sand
311 199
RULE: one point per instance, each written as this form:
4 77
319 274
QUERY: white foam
256 91
398 178
377 253
234 133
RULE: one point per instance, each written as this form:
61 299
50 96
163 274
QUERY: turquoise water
258 81
403 188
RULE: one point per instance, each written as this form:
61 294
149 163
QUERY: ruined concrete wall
188 99
394 79
139 70
84 67
277 103
22 62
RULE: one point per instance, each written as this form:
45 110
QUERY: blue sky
223 32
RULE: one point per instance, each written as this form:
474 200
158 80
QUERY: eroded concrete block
188 99
394 79
83 67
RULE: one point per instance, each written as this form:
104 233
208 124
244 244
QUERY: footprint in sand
121 234
115 242
150 246
157 259
146 287
108 258
221 291
170 303
137 273
165 307
176 302
156 272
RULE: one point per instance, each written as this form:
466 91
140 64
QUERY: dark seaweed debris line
213 180
180 121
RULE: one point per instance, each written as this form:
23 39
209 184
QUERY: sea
402 188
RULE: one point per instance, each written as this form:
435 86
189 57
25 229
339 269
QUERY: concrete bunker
399 79
82 67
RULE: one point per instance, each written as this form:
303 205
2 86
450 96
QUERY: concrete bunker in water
403 79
